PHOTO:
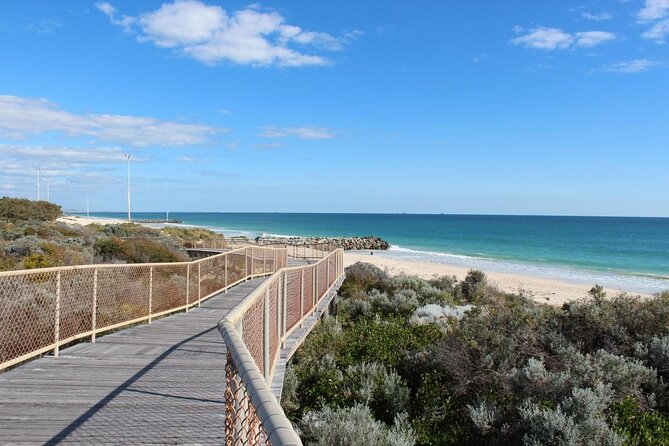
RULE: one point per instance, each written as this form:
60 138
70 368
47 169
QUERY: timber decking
150 384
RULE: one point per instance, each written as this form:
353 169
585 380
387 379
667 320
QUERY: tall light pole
38 194
128 156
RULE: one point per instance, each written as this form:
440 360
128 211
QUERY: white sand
554 292
77 220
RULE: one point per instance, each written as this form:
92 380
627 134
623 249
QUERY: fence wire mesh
242 425
43 309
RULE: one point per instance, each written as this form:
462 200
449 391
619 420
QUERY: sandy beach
77 220
554 292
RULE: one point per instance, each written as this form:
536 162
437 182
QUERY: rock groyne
346 243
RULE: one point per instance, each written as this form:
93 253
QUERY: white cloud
21 116
597 17
269 145
556 39
658 32
545 39
124 22
211 35
306 132
593 38
630 66
77 155
654 10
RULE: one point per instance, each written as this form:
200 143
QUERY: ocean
620 252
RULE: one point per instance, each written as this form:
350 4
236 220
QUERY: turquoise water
629 253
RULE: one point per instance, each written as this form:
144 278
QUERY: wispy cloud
629 66
43 26
305 132
269 145
655 12
210 34
658 32
556 39
77 155
602 16
21 116
124 21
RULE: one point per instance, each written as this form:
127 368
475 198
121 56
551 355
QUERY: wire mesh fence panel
123 294
273 322
242 424
212 275
252 331
169 287
322 279
27 309
308 291
236 267
76 301
193 282
293 313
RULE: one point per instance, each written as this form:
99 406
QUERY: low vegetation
441 362
30 237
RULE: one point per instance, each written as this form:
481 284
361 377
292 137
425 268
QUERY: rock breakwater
346 243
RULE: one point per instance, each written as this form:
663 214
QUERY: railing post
150 292
246 263
264 261
327 273
318 288
301 296
226 273
199 284
265 337
187 286
56 328
94 317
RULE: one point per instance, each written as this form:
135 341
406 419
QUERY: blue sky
515 107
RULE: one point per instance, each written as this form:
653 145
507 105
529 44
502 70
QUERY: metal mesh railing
43 309
253 332
299 250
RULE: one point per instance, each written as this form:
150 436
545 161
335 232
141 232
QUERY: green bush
504 370
20 209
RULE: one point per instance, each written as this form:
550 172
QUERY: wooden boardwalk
150 384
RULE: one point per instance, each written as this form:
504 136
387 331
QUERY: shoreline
554 291
551 291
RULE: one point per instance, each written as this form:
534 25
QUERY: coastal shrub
20 209
577 420
362 277
186 234
639 427
354 426
444 283
615 324
441 316
473 286
481 366
377 387
115 249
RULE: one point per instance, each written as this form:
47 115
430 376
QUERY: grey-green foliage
625 376
354 426
378 387
442 316
578 420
